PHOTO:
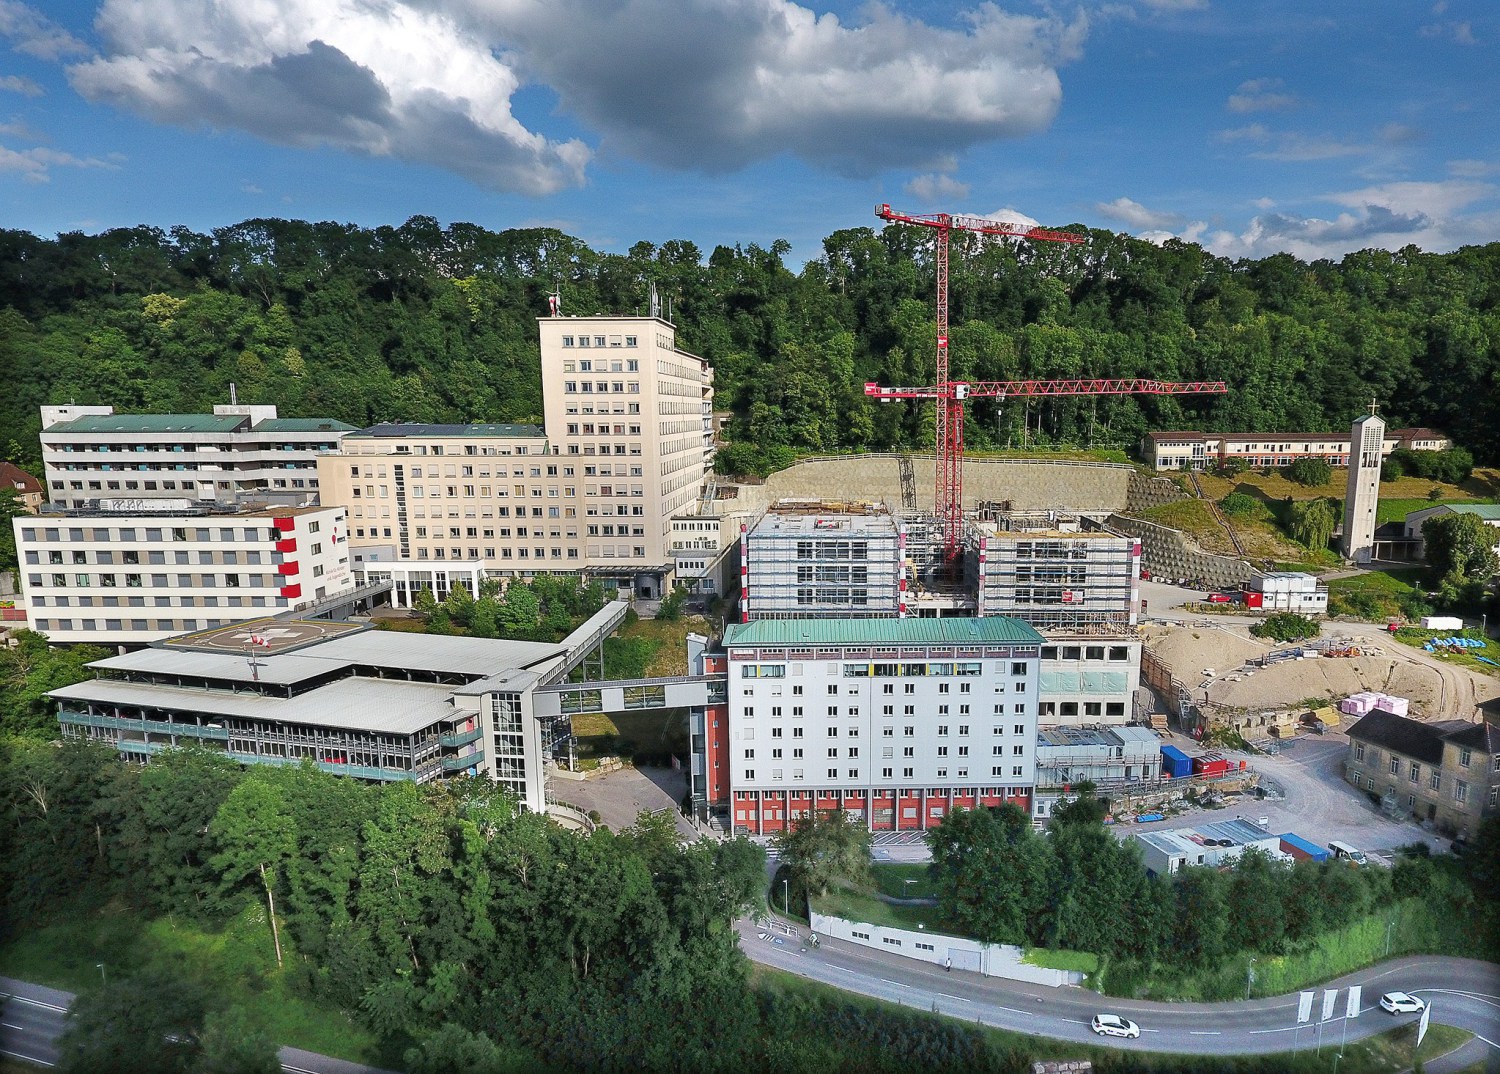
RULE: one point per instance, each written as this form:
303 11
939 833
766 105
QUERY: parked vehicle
1347 852
1112 1025
1400 1003
1220 598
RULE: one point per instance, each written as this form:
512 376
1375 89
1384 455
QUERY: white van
1344 850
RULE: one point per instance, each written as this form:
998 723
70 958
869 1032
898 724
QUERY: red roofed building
28 489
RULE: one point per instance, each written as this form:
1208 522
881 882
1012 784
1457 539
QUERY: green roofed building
97 459
895 721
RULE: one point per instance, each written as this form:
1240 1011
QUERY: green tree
29 670
992 872
1256 902
825 849
1200 914
1312 522
147 1023
10 507
234 1043
257 836
1286 626
1459 544
1310 471
456 1050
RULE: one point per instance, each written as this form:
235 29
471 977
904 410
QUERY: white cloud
1431 215
1461 32
1473 169
699 85
33 165
1135 215
1260 95
936 187
20 84
1176 5
388 79
735 81
35 34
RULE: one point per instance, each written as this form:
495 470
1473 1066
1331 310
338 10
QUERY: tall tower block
1366 451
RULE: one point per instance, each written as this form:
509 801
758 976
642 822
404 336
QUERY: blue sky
1251 126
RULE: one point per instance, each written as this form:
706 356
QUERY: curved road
1463 993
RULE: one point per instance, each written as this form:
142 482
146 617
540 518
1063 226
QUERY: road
1464 993
33 1018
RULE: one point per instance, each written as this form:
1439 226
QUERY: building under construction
823 559
1057 572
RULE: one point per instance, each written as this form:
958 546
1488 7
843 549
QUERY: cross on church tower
1373 405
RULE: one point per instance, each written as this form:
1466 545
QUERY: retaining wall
989 959
1029 484
1173 554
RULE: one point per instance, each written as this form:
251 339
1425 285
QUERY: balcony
288 568
455 739
459 761
287 544
155 727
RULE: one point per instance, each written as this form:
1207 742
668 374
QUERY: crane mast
950 395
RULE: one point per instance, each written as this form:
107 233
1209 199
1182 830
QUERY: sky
1249 126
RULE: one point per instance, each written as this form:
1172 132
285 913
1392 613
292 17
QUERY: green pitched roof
961 631
401 429
303 425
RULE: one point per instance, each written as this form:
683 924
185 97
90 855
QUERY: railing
460 738
458 761
128 723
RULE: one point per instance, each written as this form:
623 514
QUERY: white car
1112 1025
1400 1003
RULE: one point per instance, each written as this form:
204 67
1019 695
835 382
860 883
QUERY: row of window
161 581
132 556
599 341
1465 758
153 534
852 752
997 772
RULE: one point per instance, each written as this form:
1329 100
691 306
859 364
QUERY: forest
430 323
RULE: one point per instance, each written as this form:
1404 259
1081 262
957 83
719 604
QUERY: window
1416 772
1464 755
1394 766
1460 791
1435 780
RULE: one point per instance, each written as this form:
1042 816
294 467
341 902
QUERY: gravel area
619 796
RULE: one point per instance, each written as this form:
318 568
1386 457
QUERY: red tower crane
950 395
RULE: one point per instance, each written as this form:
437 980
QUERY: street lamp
1389 925
785 899
100 967
1249 977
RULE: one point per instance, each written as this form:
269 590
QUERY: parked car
1400 1003
1220 598
1112 1025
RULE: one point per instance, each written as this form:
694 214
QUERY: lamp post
785 899
1389 926
100 967
1249 977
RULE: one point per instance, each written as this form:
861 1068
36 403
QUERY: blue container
1292 844
1175 763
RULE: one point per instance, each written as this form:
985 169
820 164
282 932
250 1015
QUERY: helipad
263 637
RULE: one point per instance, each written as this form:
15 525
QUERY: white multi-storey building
1033 569
895 721
137 576
1088 681
94 456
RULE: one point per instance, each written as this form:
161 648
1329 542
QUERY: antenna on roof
233 399
554 301
655 306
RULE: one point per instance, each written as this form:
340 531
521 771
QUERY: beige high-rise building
626 446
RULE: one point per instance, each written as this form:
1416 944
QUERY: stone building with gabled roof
1445 772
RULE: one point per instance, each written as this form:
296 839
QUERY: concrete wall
989 959
1173 554
1030 484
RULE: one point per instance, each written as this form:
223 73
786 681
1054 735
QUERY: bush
1231 467
1314 473
1452 466
1286 626
1392 469
1238 504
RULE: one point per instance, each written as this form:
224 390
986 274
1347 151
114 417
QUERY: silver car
1112 1025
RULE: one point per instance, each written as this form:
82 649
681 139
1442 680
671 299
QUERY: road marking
1480 996
39 1003
1289 1029
1491 1043
1201 1032
28 1058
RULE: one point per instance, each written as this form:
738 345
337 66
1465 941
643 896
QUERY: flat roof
1095 736
403 429
303 425
1187 840
389 706
150 423
814 523
988 630
275 636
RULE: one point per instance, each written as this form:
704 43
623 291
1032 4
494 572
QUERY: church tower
1366 451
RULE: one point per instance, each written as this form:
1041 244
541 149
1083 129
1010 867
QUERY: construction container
1442 622
1301 849
1210 765
1254 600
1174 763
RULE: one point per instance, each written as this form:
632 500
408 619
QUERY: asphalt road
32 1019
1464 993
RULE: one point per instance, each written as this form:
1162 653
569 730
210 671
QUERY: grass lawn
1376 595
904 881
1464 658
1077 961
669 642
857 906
1257 532
236 963
1482 487
1386 1053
